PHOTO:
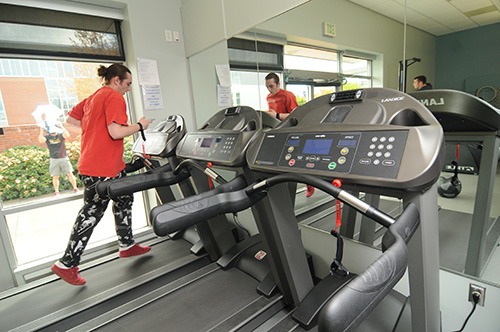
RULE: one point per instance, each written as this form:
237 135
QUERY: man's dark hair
421 78
273 76
116 69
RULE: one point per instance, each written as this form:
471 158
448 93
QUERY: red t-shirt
101 155
282 102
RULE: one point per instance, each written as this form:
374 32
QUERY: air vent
350 95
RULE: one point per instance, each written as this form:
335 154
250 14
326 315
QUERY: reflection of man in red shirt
280 102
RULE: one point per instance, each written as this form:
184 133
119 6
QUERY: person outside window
281 103
420 83
104 122
55 138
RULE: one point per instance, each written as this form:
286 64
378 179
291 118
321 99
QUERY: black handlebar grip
162 176
350 306
226 198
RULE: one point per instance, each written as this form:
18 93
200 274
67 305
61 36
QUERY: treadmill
467 119
340 136
235 292
155 150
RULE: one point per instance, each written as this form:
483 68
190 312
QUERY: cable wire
475 297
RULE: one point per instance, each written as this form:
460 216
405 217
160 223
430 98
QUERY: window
35 31
36 68
248 54
26 188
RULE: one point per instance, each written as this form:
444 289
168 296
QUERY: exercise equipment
403 71
155 150
451 187
370 140
469 120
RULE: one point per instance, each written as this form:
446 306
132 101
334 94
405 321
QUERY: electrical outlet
479 289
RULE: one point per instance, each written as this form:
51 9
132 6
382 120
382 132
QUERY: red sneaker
309 190
135 250
71 276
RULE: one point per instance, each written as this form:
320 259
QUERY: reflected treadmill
379 141
468 119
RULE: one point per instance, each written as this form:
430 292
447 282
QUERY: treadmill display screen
293 142
206 142
350 143
317 146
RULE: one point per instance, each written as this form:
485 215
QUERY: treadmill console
224 138
345 152
162 140
371 138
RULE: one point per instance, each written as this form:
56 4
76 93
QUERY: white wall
454 289
144 37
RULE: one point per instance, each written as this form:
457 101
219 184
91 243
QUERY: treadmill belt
198 306
57 300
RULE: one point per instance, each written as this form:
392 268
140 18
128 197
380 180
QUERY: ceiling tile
485 19
468 5
437 17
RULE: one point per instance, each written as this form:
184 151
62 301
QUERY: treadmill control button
332 165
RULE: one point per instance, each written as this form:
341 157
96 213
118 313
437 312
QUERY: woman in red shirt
104 122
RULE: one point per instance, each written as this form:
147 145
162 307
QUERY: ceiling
438 17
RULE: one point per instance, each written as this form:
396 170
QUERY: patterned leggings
91 213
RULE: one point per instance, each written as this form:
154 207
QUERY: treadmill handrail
352 304
158 177
225 198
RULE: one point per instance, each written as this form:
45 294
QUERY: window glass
36 31
3 116
301 91
248 88
34 215
355 66
310 59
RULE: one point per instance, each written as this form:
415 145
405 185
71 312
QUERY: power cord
476 296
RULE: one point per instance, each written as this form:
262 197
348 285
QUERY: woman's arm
73 121
118 131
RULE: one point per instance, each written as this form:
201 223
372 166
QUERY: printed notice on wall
148 72
223 75
224 98
151 96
